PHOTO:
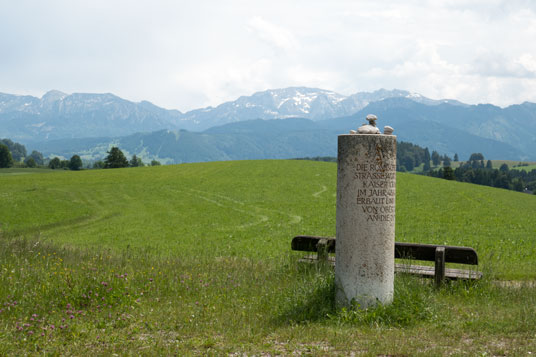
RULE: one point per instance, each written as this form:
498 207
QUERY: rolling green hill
253 208
195 259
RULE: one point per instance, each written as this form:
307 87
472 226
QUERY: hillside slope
253 208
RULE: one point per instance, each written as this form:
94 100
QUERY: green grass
195 259
24 171
527 168
512 164
252 209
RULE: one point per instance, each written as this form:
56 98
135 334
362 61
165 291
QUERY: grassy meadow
195 259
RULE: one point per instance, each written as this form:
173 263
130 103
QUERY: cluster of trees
409 156
14 154
318 158
116 159
18 151
75 163
476 171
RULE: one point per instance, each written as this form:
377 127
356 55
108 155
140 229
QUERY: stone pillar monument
366 183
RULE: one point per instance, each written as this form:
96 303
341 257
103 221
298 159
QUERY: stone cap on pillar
371 127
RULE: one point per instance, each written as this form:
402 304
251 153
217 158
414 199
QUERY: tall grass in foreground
81 301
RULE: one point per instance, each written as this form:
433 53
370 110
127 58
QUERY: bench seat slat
424 271
429 271
453 254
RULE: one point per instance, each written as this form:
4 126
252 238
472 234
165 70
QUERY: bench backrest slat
461 255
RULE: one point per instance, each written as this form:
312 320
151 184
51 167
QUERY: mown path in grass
254 208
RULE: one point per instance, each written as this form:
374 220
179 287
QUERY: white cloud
186 55
272 34
498 65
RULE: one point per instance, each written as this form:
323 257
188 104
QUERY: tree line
410 157
13 154
476 171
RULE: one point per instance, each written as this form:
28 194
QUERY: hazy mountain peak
53 95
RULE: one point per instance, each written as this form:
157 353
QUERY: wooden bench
440 254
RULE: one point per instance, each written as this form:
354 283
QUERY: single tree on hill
436 159
448 173
476 157
426 160
75 163
6 160
155 163
426 166
38 157
115 159
55 163
456 158
30 162
489 164
427 156
136 162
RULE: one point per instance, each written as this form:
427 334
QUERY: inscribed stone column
366 180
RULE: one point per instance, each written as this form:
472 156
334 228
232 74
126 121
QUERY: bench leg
322 250
439 274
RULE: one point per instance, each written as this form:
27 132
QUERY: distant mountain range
295 102
57 115
282 123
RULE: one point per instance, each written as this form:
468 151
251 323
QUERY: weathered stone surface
368 129
366 182
387 130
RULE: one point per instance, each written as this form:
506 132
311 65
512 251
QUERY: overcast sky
190 54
